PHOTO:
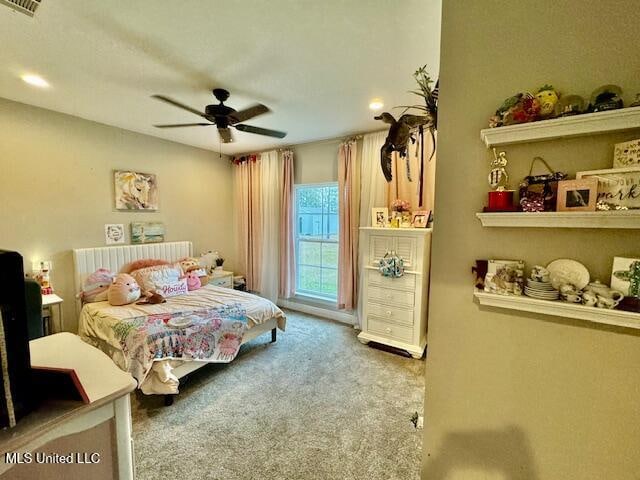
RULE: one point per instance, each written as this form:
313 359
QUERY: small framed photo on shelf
577 195
379 216
420 218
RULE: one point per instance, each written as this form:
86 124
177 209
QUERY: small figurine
498 176
607 97
548 98
636 102
569 105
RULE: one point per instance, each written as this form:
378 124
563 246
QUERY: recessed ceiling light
376 104
35 80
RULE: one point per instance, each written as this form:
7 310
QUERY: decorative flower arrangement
400 206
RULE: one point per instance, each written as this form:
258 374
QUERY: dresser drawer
390 330
405 282
387 296
390 314
226 281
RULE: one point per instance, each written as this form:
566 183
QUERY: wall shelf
623 219
574 126
557 308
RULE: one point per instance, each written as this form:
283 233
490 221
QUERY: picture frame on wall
379 216
135 191
114 233
618 188
420 218
147 232
577 195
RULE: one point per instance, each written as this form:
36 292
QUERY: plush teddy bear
123 290
95 286
190 265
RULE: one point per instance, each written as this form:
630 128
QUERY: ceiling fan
223 117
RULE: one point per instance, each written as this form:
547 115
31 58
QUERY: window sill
321 308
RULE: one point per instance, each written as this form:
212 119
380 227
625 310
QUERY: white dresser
393 311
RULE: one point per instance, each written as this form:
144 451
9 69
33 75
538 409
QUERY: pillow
173 289
95 286
138 264
123 290
150 277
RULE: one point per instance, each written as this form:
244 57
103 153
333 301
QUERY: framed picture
147 232
135 191
113 233
625 276
420 218
577 195
627 154
379 216
617 187
504 277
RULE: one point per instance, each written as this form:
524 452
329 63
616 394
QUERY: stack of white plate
540 290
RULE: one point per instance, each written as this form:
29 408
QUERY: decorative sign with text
627 154
617 187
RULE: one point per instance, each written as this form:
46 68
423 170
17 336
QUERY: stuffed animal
123 290
152 298
190 265
140 264
95 286
193 281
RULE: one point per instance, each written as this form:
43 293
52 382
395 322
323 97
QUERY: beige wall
522 395
56 189
316 162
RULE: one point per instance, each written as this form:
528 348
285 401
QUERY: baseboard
337 315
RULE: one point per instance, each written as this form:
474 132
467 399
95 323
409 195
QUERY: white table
48 302
221 278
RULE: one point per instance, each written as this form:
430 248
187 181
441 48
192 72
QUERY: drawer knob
388 330
389 313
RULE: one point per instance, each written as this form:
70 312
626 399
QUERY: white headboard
88 260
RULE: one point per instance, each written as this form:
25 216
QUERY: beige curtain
287 243
247 192
349 222
376 192
401 188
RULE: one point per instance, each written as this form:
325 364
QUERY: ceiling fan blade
175 103
225 135
175 125
260 131
247 113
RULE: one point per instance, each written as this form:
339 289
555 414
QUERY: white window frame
297 239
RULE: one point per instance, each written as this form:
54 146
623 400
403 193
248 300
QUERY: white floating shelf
626 219
574 126
557 308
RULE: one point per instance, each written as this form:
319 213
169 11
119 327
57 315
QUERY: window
317 240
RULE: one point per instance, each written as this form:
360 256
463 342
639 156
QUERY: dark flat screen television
16 399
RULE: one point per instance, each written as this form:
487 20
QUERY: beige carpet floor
316 404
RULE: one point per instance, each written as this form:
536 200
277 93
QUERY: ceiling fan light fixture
35 80
376 104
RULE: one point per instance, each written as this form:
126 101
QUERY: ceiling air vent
28 7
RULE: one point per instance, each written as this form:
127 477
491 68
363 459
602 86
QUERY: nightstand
48 302
221 278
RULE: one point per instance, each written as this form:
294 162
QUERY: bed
98 320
